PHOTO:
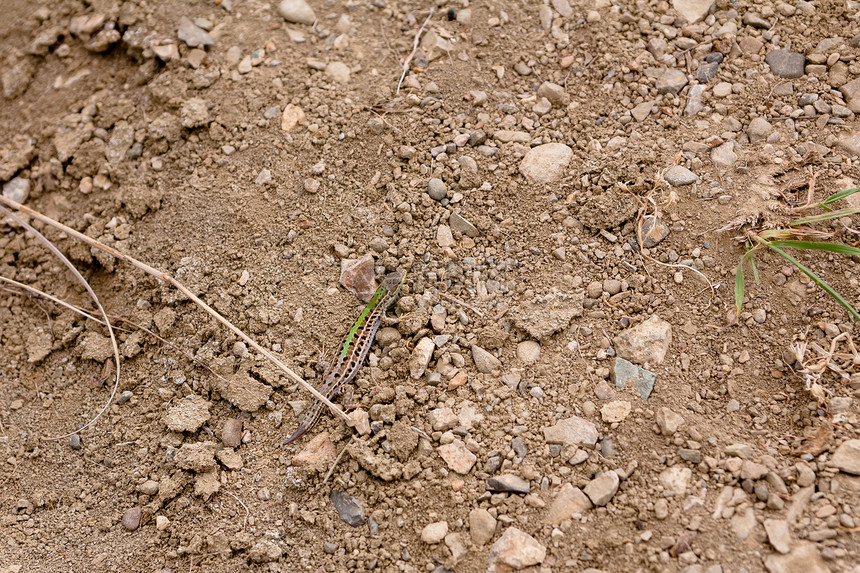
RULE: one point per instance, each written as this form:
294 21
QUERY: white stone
692 10
517 549
546 163
434 533
297 11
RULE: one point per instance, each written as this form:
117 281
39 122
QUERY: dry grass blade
51 247
179 286
408 59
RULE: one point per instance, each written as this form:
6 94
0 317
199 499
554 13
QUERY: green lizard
354 348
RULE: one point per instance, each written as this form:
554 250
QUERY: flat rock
679 176
434 533
517 549
652 232
642 111
692 10
668 421
320 448
625 373
458 458
508 483
18 189
442 419
602 488
541 319
297 11
571 432
197 457
348 508
482 526
484 361
785 64
646 343
778 534
847 457
671 82
244 392
676 479
509 136
803 558
569 502
188 415
460 224
231 433
194 36
359 276
724 156
615 411
546 163
849 145
420 358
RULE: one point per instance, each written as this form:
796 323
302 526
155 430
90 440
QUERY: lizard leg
347 399
389 320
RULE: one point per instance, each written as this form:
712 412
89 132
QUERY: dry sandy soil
249 156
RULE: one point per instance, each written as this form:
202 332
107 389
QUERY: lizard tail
298 434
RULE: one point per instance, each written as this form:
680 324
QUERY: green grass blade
837 196
739 286
825 216
812 245
754 270
818 280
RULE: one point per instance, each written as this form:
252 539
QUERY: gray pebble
786 64
508 483
437 189
131 518
348 508
75 442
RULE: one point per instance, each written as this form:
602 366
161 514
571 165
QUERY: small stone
484 361
724 156
653 231
846 458
803 558
297 11
149 487
188 415
161 523
676 479
131 518
461 225
193 35
508 483
625 373
602 488
457 457
18 189
668 421
265 552
742 451
230 459
679 176
786 64
758 130
744 523
421 357
850 145
528 351
231 433
75 442
642 111
692 456
360 421
444 237
546 163
198 457
338 72
569 502
753 471
244 392
646 343
778 534
194 113
434 533
292 116
320 448
482 526
437 189
517 549
692 10
348 508
359 276
571 432
671 82
615 411
442 419
707 71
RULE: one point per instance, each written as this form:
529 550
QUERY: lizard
353 350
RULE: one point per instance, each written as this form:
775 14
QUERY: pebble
338 72
484 361
571 432
188 415
668 421
676 479
546 163
724 156
461 225
778 534
149 487
348 508
569 502
646 343
653 231
434 533
742 451
528 351
625 373
482 526
803 558
846 458
457 457
671 82
692 10
231 433
359 276
642 111
517 549
194 36
444 237
131 518
508 483
18 189
421 357
292 116
602 488
75 442
297 11
785 63
616 411
437 189
679 176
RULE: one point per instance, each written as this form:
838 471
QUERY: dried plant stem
462 303
179 286
408 60
51 247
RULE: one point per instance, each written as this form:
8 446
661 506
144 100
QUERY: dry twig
408 59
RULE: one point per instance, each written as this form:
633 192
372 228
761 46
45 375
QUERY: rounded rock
528 351
297 11
437 189
546 163
434 533
131 518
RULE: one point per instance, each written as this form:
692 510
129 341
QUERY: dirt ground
249 148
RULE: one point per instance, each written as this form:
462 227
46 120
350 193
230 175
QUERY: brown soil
352 179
